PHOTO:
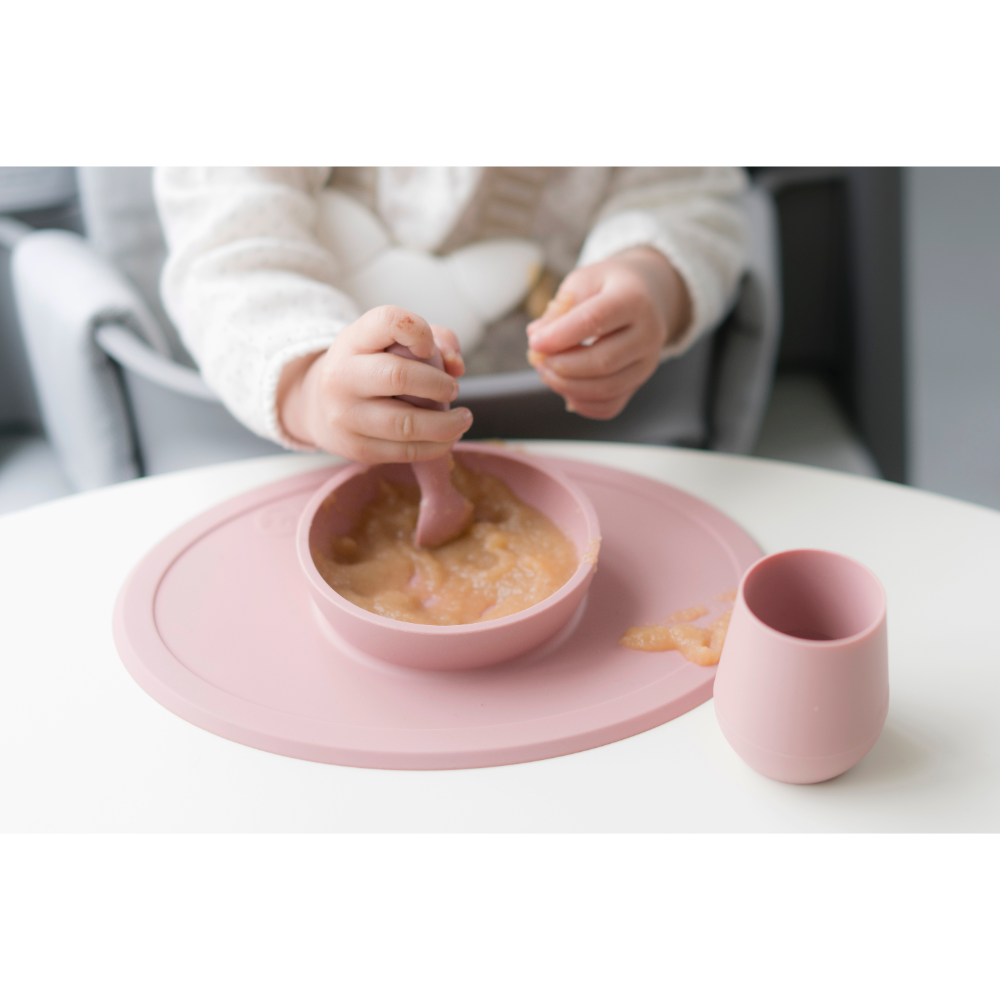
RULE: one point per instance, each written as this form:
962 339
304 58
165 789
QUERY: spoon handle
436 361
444 511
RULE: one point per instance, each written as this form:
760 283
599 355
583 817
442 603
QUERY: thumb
577 314
575 287
451 350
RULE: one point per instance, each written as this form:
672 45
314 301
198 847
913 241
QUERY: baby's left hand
630 306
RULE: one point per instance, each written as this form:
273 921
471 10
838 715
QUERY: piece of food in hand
541 294
559 306
556 307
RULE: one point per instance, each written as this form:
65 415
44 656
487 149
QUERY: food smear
697 645
510 558
688 614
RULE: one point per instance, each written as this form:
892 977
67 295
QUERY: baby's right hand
341 400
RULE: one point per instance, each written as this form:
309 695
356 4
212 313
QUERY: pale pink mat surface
217 625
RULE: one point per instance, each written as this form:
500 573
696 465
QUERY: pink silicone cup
332 511
802 688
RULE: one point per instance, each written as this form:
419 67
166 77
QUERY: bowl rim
847 640
321 588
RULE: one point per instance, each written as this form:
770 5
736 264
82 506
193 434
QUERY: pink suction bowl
802 688
332 511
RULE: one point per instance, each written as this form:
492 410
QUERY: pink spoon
444 512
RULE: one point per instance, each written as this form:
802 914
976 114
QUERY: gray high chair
121 397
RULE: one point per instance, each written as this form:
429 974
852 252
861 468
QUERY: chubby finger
451 350
597 389
609 355
394 420
589 319
384 326
575 287
561 303
603 410
446 339
385 374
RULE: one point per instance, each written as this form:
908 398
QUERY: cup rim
826 643
324 590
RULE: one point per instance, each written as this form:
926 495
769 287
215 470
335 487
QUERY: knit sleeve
246 282
692 216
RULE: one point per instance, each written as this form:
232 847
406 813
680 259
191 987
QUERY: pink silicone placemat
217 625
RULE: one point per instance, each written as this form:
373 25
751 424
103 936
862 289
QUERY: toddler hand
601 337
341 400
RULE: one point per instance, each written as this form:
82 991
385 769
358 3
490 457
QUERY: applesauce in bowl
510 558
507 585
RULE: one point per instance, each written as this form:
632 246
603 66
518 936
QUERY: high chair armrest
64 293
132 352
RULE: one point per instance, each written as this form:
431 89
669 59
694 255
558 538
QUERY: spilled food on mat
702 646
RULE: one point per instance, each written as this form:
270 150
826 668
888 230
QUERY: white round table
83 748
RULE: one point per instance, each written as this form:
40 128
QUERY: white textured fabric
251 286
421 205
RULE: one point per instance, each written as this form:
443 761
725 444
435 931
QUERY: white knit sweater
251 286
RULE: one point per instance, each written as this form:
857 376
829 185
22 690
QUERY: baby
647 260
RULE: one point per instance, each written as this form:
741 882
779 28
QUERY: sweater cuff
627 230
269 386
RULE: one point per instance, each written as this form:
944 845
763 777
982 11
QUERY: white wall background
952 298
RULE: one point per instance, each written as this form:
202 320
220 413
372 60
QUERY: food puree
510 558
699 645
